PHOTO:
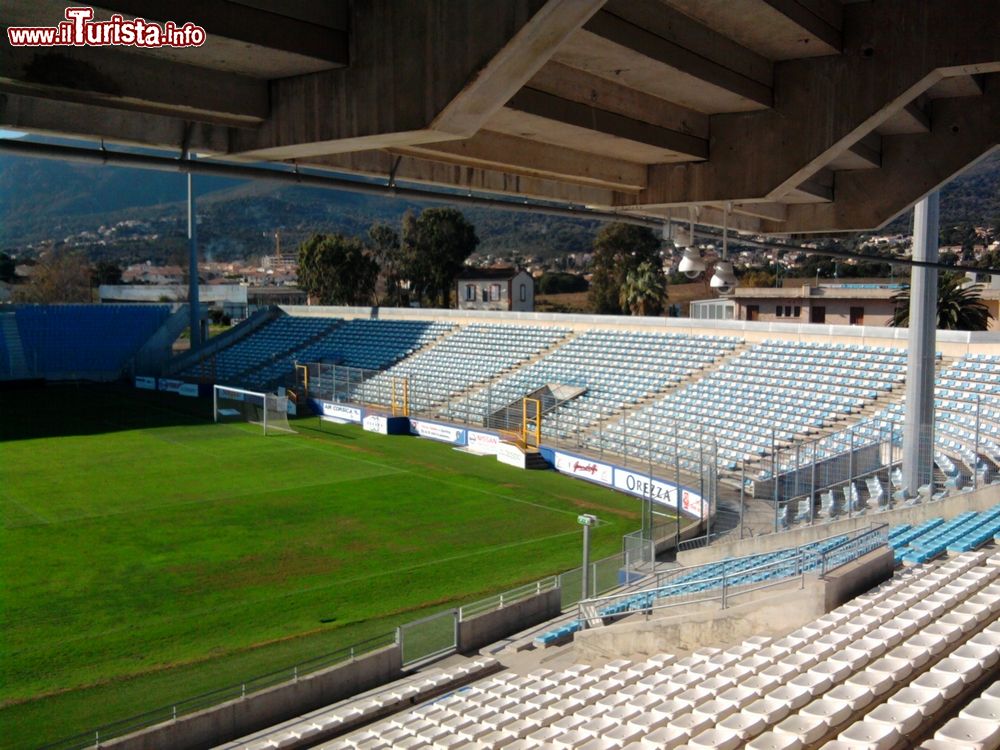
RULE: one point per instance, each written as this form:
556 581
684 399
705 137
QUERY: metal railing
235 691
673 588
506 598
420 640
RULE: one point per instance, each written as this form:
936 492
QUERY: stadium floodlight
692 264
238 405
724 279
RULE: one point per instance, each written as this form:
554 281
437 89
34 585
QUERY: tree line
415 265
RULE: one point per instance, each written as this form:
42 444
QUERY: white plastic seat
948 684
769 709
966 669
864 735
986 655
877 682
981 735
717 738
833 712
745 725
574 738
898 669
904 718
982 709
693 723
932 643
816 682
666 738
917 657
671 707
836 671
776 740
808 729
854 658
854 696
715 710
928 701
693 696
795 696
623 734
649 721
760 684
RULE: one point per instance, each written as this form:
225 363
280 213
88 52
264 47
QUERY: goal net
264 409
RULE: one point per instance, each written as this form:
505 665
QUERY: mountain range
47 200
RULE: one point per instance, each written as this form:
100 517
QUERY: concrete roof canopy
803 116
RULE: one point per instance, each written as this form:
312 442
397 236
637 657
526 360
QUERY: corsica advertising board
340 413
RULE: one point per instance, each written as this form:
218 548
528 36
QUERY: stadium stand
893 663
617 368
473 355
240 362
775 391
83 341
364 344
967 395
8 329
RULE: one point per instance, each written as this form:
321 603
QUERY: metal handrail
588 610
505 598
803 559
215 697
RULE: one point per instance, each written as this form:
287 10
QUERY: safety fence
235 691
420 641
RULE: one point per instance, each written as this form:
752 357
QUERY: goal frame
232 389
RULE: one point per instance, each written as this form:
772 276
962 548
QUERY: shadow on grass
61 410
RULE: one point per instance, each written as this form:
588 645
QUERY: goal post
239 405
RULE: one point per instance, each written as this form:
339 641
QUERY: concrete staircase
17 367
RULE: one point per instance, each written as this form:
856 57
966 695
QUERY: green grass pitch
149 555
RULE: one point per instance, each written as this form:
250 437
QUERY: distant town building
230 298
495 289
832 304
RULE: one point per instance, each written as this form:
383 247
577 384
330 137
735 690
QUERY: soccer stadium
364 528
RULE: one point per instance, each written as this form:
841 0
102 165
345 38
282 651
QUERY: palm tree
959 306
644 290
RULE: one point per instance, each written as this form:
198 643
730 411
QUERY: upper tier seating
69 341
616 367
777 390
362 343
236 364
891 664
969 386
475 354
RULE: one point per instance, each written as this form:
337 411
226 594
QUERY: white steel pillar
918 420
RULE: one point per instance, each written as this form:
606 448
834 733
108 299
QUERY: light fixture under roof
692 265
724 279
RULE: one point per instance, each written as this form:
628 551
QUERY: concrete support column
193 297
918 424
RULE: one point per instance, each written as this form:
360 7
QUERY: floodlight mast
586 520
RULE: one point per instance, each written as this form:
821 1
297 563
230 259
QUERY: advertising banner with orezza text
660 492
